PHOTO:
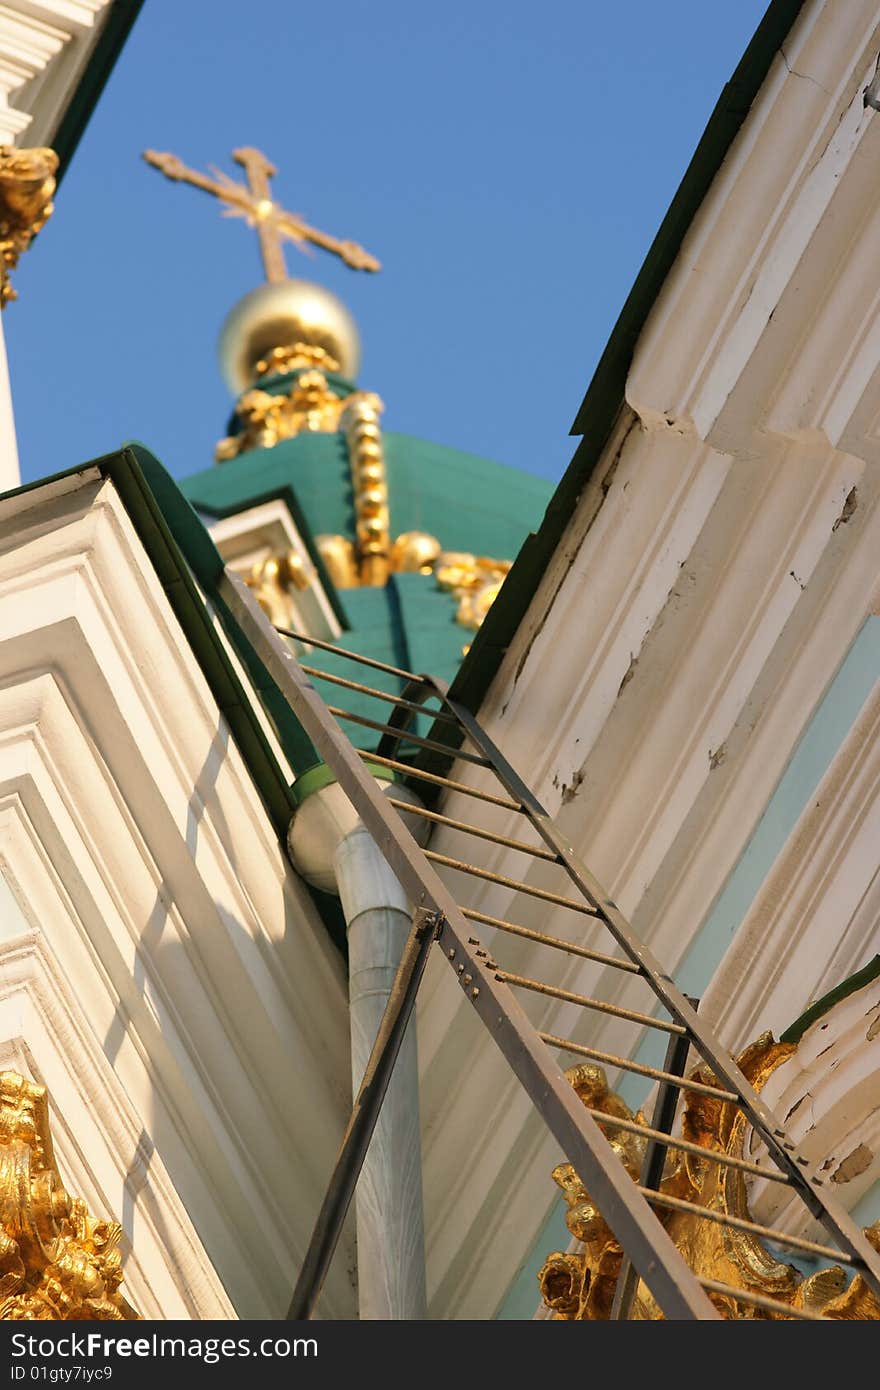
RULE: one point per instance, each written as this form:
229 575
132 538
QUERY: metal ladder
627 1206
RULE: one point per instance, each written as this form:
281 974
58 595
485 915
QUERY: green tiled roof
468 503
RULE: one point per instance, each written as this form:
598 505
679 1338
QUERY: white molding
45 46
827 1092
103 1151
204 972
252 536
710 583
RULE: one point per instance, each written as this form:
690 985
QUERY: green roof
426 483
409 622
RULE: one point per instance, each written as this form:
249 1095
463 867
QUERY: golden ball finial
282 315
415 552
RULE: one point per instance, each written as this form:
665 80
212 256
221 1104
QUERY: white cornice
708 588
149 865
44 49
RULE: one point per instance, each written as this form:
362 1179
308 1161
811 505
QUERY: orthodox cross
255 204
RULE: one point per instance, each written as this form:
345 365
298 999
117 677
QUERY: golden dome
279 315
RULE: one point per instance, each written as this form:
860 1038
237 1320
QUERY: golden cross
255 204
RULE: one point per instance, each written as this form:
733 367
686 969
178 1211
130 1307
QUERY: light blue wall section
811 759
867 1211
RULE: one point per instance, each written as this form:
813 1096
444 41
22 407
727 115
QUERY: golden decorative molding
474 580
27 182
340 557
295 355
254 202
580 1286
56 1262
272 581
360 421
266 419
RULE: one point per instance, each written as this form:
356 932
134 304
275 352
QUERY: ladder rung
570 947
640 1068
379 694
759 1300
686 1146
406 737
538 987
546 854
810 1247
516 883
440 781
353 656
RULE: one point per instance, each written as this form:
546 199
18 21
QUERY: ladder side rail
674 1285
824 1207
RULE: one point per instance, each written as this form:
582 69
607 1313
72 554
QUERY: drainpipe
335 852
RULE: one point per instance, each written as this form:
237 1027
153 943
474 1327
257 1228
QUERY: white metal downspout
390 1222
332 849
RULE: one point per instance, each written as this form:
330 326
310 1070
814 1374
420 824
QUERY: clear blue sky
509 164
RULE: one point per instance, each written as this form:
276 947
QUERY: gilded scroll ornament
56 1261
580 1285
266 418
27 182
273 581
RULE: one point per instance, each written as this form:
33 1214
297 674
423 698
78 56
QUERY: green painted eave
604 400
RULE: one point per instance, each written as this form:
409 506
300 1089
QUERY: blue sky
508 163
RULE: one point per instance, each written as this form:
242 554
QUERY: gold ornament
56 1261
581 1286
266 418
255 204
360 421
281 360
338 555
415 552
27 182
474 580
273 579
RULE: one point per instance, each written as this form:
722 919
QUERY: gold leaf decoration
27 182
580 1286
56 1261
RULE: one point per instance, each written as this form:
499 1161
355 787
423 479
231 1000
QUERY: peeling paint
873 1030
570 790
797 1105
630 672
717 758
859 1161
849 506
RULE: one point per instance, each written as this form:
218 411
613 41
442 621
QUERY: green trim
93 81
179 548
321 776
604 399
822 1006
